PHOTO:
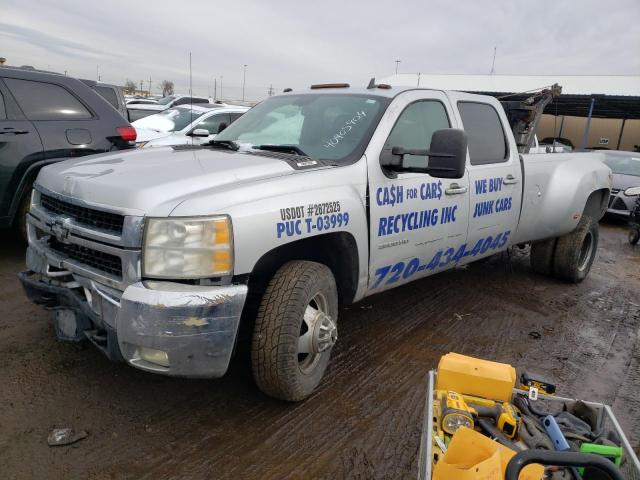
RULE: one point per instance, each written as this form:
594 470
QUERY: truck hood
155 181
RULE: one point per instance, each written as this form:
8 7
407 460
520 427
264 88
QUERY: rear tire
541 256
295 330
576 251
634 236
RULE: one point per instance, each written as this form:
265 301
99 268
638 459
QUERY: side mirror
632 191
200 132
222 127
447 155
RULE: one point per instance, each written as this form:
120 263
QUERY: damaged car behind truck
310 200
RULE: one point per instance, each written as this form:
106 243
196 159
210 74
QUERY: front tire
634 236
295 330
576 251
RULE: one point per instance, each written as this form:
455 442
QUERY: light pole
244 77
397 62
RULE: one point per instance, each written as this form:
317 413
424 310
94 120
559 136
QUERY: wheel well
338 251
596 205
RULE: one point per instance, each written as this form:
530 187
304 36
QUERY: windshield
323 126
624 165
166 100
171 120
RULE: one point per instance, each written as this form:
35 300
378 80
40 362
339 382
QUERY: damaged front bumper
158 326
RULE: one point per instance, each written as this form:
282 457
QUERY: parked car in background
111 93
46 118
185 124
558 143
142 110
626 174
550 145
142 101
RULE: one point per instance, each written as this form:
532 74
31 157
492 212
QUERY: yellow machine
455 412
462 410
473 376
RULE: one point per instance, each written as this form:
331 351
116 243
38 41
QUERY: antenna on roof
372 83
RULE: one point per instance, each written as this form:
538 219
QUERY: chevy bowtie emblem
60 228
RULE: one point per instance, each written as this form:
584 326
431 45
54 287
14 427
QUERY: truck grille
110 222
102 261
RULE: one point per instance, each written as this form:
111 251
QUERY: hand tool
559 442
504 414
530 380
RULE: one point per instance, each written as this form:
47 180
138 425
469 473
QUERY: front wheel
634 235
295 330
576 251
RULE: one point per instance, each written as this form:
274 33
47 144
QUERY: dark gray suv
44 118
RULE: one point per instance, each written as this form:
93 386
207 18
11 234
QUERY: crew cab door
416 221
495 176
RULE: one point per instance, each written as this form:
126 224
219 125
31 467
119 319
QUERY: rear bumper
194 327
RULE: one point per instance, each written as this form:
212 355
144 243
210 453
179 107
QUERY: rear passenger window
414 129
487 142
108 94
46 101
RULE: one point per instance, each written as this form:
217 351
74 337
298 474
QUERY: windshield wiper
281 148
228 144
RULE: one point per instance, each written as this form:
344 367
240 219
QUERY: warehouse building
594 111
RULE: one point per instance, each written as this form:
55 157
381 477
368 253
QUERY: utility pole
270 91
97 73
141 82
221 77
244 77
397 62
493 63
215 89
149 85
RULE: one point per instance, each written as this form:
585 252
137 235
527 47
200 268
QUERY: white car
183 125
172 101
142 101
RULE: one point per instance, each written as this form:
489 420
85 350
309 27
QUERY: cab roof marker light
329 85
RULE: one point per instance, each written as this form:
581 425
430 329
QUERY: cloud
291 43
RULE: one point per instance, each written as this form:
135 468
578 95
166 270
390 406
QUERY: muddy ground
363 422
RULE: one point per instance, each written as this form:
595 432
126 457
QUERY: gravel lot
363 422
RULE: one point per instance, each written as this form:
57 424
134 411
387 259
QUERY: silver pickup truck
163 258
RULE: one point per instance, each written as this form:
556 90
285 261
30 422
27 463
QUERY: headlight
184 247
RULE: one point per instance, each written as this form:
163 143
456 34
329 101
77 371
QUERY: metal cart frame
425 453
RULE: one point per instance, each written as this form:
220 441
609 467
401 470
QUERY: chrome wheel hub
318 333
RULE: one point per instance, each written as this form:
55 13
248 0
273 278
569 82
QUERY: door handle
455 189
510 180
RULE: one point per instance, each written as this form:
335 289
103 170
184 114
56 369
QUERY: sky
296 43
